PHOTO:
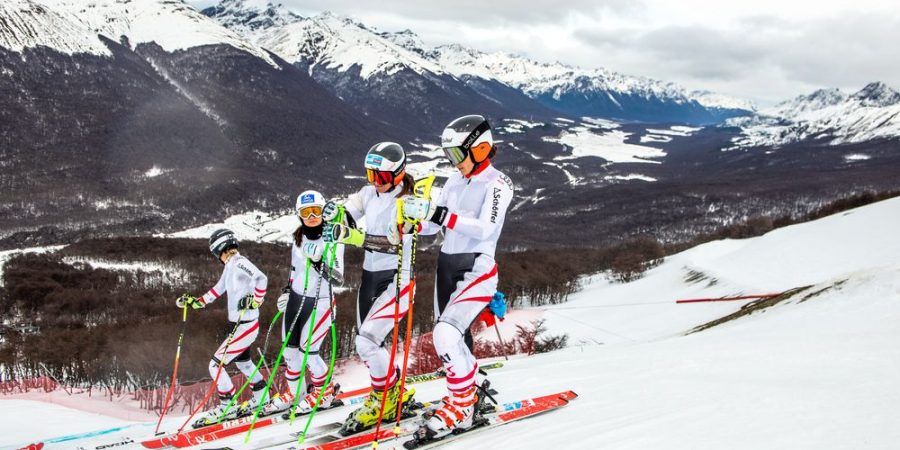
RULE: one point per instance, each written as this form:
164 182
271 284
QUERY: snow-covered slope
828 115
825 251
27 24
815 370
172 24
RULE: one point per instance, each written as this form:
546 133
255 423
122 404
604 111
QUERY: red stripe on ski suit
479 280
463 379
250 330
393 300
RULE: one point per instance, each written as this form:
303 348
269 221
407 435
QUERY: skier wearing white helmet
313 267
471 210
245 286
377 302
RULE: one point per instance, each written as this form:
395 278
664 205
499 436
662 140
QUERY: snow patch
610 146
253 226
28 24
629 177
856 157
155 171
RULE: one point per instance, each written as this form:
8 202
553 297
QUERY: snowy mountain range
827 115
353 58
149 111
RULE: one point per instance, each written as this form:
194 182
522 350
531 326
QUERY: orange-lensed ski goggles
310 211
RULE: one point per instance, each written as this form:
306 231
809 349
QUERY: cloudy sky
764 50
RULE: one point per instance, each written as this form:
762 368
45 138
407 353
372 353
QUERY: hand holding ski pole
189 300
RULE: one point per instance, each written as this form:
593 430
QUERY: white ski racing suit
377 296
239 278
310 290
466 273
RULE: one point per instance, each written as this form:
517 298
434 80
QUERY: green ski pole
312 414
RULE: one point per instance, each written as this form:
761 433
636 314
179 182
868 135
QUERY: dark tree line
118 328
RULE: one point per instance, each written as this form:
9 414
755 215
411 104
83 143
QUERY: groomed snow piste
816 370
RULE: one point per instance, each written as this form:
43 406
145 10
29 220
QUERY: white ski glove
313 251
393 234
330 211
283 299
417 208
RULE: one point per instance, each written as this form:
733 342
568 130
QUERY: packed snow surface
816 370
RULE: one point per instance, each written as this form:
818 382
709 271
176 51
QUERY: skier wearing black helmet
245 286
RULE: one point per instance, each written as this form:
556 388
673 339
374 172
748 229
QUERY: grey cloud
846 51
698 52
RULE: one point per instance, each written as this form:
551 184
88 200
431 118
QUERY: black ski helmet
221 241
386 161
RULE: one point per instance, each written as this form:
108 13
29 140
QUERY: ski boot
249 407
278 403
459 413
212 416
306 403
366 416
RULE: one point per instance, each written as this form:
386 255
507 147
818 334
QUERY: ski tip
568 395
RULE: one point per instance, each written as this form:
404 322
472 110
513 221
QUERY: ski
324 433
218 431
229 428
523 410
503 414
201 435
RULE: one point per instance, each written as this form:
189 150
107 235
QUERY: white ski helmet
308 199
468 135
385 163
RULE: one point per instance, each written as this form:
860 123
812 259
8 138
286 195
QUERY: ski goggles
379 177
456 155
310 211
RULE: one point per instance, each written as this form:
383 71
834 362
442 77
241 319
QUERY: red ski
505 413
209 433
